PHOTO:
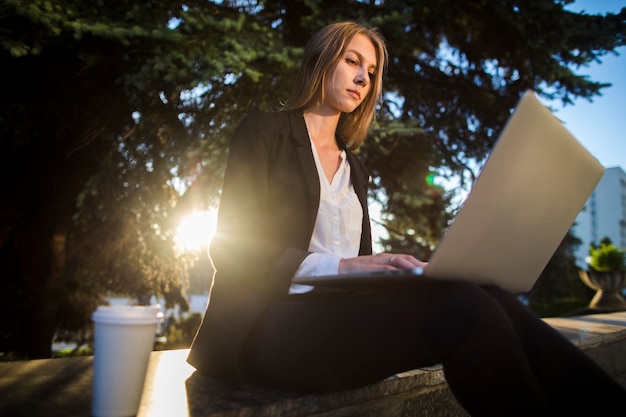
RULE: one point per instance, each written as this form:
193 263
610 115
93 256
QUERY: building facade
604 214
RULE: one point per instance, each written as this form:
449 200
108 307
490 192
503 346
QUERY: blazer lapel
360 181
305 158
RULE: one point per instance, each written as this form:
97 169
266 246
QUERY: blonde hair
322 54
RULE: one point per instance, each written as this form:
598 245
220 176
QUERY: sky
600 125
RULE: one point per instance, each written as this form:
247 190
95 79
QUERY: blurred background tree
115 119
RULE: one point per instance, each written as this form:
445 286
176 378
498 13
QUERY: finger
405 262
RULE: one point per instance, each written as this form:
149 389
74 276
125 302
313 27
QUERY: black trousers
499 358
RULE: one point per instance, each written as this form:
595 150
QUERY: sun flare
196 230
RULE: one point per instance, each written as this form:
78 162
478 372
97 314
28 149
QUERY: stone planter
608 287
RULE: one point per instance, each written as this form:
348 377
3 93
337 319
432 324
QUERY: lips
355 94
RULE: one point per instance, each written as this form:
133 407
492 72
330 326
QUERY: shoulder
272 127
260 121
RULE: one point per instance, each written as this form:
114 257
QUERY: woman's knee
466 296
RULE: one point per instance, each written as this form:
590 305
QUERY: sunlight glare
196 230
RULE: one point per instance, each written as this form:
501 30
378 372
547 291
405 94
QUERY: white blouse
337 231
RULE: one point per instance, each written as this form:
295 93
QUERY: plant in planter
606 275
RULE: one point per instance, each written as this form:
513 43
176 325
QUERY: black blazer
266 217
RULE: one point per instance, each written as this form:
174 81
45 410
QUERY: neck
322 127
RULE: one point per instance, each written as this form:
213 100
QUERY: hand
380 262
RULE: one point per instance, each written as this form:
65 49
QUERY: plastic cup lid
128 314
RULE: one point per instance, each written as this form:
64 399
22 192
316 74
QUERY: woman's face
350 81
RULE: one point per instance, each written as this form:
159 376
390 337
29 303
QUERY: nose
362 77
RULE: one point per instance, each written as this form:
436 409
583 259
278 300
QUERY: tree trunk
41 259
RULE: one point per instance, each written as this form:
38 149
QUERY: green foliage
559 279
607 257
460 66
414 208
180 333
115 118
81 350
560 306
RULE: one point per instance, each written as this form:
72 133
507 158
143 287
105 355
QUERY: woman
294 203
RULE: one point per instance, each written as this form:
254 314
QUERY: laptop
527 196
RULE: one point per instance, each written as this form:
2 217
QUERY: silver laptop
527 196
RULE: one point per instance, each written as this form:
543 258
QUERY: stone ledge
425 391
63 386
601 336
409 393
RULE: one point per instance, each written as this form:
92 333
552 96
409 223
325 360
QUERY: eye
351 61
372 75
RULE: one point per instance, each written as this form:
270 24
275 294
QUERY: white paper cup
124 338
